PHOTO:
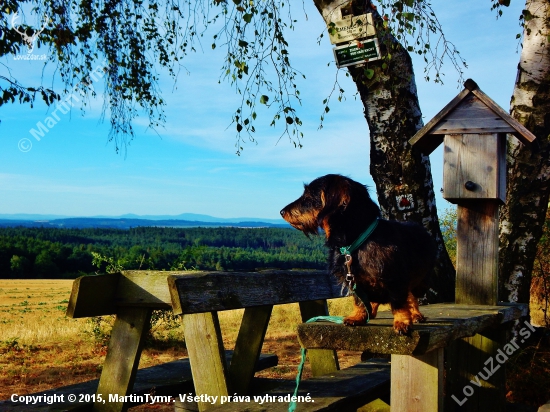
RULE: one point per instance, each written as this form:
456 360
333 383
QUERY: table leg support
417 382
121 362
248 347
322 361
204 343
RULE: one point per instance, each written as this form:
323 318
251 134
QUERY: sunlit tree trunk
523 216
402 176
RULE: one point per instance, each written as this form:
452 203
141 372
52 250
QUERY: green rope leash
334 319
346 251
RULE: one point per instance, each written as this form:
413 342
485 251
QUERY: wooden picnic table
421 362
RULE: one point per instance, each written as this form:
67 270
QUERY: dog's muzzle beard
305 221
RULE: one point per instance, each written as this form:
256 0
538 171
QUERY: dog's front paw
355 320
418 318
402 328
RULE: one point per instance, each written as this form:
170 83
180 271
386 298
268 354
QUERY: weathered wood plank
439 134
121 362
171 378
101 294
522 133
430 143
417 382
468 361
343 390
215 291
206 354
322 361
473 113
474 158
446 322
93 296
248 346
145 288
477 253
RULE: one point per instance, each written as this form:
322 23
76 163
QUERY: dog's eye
344 203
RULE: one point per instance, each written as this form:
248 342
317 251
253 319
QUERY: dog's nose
282 212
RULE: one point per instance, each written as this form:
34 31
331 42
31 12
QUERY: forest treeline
41 253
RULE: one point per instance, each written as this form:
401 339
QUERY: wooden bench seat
426 366
445 323
344 390
167 379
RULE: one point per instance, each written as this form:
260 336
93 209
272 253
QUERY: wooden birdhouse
473 129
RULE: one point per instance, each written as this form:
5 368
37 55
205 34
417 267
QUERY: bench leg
475 379
248 347
322 361
417 382
121 362
204 343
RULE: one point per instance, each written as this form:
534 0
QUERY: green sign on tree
357 52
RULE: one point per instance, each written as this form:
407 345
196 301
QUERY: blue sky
191 165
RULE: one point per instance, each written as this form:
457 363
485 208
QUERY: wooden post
248 347
417 382
477 253
206 355
121 362
473 128
322 361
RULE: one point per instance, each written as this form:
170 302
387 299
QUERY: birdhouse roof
470 112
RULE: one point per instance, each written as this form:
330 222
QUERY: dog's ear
335 196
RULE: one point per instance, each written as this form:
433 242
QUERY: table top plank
217 291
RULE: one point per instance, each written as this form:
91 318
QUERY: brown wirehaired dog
390 266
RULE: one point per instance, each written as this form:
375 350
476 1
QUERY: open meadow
41 348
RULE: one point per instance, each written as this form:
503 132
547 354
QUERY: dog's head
332 202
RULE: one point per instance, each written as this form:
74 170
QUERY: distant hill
129 221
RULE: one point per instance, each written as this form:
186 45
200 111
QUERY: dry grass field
41 348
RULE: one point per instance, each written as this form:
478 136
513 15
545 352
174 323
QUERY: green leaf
369 73
243 43
289 120
247 17
264 99
239 127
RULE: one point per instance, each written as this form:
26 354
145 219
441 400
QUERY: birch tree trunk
402 176
523 216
